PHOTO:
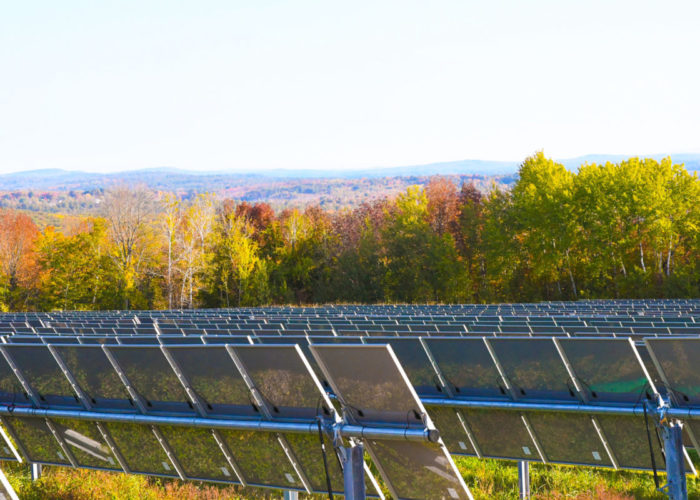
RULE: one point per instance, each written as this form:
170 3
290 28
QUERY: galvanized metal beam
345 430
580 408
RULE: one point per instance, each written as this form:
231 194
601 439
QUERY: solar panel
86 444
282 378
569 438
150 379
453 430
95 377
46 384
262 459
8 450
214 379
608 370
677 362
628 441
415 362
550 398
487 427
306 449
373 391
534 369
417 470
373 388
141 449
467 367
37 442
11 389
199 454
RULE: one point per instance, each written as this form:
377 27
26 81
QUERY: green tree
542 206
236 276
77 272
298 246
422 266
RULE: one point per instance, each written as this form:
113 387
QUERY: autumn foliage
18 269
616 230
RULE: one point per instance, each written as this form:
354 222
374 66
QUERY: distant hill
172 179
461 167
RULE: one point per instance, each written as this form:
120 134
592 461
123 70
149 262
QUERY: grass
487 479
498 480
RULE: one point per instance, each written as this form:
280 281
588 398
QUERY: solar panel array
549 382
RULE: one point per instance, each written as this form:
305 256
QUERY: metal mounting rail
341 429
637 410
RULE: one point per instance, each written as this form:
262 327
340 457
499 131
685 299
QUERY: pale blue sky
113 85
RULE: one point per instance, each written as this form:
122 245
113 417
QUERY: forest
627 229
330 193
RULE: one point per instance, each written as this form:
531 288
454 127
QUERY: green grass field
488 479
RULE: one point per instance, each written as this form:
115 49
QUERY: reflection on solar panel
239 395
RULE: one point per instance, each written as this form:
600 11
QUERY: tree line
630 229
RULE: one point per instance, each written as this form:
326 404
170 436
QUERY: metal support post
524 479
353 471
291 495
672 435
36 471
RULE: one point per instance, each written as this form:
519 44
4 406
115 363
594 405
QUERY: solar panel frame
73 360
22 439
591 392
188 363
168 396
515 358
44 381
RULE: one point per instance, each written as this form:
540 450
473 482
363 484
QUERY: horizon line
263 170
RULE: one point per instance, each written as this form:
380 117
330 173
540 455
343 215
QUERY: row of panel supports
354 485
672 436
352 458
670 431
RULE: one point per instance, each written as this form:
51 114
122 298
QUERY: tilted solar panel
373 388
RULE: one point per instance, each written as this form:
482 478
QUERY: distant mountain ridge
168 178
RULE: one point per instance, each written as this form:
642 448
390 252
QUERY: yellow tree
193 246
170 218
129 213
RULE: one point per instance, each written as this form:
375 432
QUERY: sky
248 86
